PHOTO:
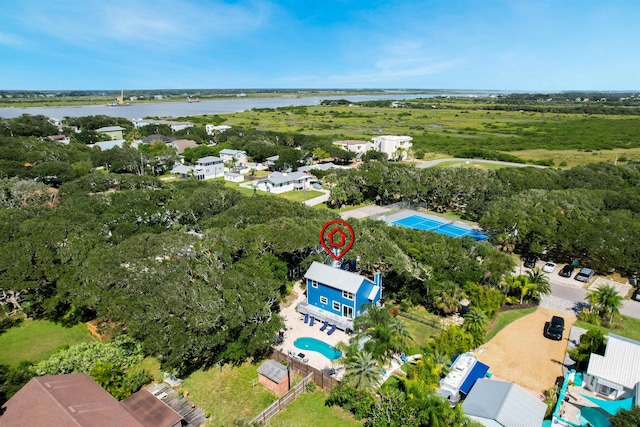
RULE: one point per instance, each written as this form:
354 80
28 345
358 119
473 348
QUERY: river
184 109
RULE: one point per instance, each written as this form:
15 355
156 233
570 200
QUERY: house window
336 306
347 295
323 300
314 284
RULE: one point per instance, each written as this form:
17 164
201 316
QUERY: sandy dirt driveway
520 352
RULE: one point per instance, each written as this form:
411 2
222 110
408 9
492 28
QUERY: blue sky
534 45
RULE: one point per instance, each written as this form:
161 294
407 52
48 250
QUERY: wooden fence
436 324
322 379
282 403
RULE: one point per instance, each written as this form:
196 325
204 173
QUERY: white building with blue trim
338 296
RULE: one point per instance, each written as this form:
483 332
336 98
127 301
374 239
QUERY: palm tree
475 322
447 300
400 335
606 300
508 283
540 283
362 371
386 334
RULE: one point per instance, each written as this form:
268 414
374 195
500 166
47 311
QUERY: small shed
274 376
233 177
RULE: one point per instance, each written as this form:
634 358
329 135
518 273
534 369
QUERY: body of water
183 109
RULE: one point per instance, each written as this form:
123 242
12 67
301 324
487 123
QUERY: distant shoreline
89 100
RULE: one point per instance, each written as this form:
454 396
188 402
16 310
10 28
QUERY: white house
615 374
235 157
212 128
396 147
175 126
205 168
281 182
359 147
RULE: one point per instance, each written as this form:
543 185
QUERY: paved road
471 161
569 296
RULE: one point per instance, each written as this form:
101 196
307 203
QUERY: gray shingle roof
335 277
504 402
273 370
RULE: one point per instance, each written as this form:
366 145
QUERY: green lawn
506 317
420 333
628 327
295 195
308 410
228 394
36 340
300 196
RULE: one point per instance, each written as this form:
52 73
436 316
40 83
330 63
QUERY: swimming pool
441 227
594 417
321 347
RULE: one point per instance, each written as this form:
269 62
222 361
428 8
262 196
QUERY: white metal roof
285 178
506 403
620 362
209 159
335 277
110 129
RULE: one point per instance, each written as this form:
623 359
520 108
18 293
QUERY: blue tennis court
440 227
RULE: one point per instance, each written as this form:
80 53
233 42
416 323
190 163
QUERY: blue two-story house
338 296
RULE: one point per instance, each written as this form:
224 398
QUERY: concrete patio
296 328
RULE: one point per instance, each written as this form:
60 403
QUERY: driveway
520 353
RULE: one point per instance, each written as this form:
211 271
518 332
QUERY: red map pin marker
337 237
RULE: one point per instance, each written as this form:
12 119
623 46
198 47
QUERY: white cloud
400 61
151 24
11 40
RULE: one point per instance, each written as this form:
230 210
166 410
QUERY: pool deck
296 328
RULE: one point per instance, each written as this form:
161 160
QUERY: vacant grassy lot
36 340
504 318
460 127
308 410
420 332
628 327
228 394
294 196
571 158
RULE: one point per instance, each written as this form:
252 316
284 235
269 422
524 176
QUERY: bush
358 402
310 387
589 316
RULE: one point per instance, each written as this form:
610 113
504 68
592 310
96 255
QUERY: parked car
584 275
636 295
530 261
549 267
566 271
555 328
